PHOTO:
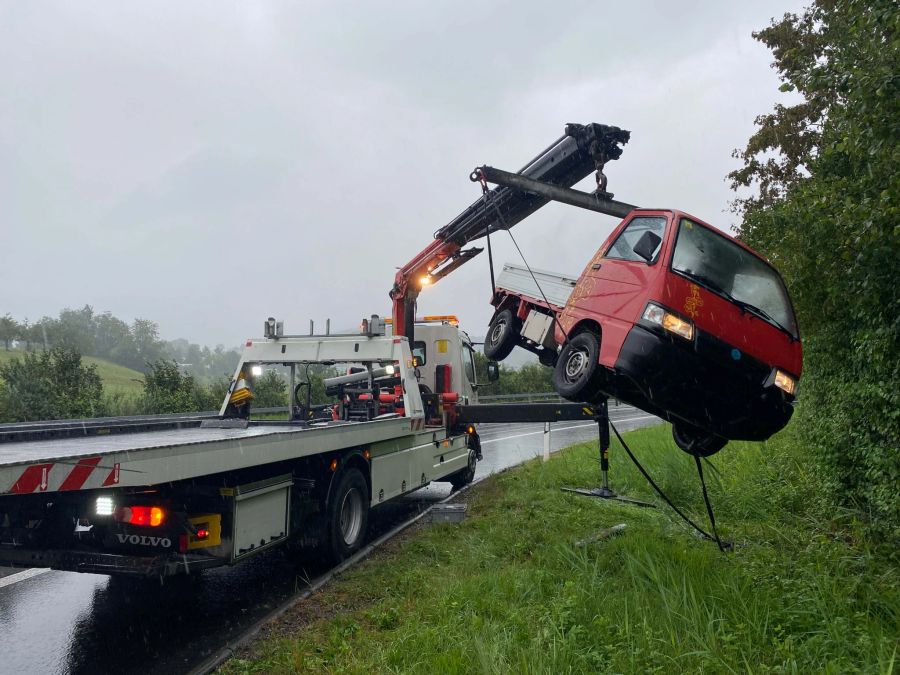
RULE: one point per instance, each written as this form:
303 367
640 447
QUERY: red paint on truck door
613 288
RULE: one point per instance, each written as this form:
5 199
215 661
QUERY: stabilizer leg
604 491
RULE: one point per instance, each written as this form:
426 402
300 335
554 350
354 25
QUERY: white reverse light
256 370
104 506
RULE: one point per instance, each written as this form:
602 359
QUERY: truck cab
445 358
674 317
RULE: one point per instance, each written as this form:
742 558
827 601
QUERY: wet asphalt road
63 622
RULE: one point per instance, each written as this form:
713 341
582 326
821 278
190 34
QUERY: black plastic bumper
705 382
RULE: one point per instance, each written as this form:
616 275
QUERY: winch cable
709 508
487 235
723 546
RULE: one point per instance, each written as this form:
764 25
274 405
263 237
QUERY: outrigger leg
601 416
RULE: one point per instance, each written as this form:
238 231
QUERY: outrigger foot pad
606 493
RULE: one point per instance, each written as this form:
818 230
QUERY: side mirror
493 371
646 245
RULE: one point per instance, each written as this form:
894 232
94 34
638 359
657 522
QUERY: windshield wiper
708 283
745 306
763 314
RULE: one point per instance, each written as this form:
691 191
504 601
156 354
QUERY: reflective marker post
546 441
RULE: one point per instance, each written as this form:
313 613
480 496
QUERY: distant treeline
135 345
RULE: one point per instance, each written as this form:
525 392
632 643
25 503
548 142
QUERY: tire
577 375
697 442
464 476
502 335
347 516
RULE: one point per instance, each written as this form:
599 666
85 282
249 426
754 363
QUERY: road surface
64 622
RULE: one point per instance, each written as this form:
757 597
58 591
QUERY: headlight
674 324
785 382
256 370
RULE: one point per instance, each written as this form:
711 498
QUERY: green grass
116 379
508 591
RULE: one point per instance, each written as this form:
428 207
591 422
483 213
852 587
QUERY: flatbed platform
149 458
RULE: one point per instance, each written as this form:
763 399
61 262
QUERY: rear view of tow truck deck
154 499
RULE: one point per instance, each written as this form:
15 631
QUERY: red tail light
151 516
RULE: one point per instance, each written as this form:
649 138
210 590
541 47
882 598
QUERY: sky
208 164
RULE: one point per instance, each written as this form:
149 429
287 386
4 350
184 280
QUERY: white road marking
22 576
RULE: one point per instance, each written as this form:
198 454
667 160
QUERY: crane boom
580 150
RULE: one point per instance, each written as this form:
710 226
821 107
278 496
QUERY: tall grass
509 591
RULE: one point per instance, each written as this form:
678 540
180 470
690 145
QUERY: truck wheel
502 335
347 515
577 373
695 441
464 476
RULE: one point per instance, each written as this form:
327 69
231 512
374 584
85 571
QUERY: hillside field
116 379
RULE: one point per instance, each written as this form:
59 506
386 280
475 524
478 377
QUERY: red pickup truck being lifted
670 315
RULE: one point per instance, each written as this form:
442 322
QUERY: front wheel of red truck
577 373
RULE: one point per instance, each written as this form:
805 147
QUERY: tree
49 385
75 329
168 390
270 390
149 347
9 330
827 214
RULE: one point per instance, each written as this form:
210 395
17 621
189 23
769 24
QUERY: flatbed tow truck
168 496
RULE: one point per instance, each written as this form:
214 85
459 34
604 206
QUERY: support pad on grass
604 491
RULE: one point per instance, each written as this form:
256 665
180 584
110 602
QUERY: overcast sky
209 164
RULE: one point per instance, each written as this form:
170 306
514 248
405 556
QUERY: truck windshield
718 264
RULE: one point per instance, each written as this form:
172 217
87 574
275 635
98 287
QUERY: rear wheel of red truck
347 515
502 335
577 373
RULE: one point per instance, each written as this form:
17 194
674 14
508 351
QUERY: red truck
670 315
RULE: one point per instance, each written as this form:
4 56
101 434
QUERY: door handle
596 266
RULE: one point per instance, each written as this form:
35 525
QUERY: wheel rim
576 365
498 331
351 516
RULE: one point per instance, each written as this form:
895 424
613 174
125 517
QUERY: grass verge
508 591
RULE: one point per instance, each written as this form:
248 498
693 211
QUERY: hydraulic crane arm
549 176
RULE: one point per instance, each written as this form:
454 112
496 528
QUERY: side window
469 363
623 246
418 351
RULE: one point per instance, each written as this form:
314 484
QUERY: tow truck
162 496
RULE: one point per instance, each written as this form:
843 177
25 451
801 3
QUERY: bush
168 390
826 215
49 385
